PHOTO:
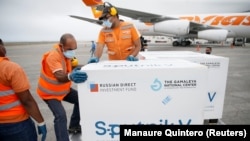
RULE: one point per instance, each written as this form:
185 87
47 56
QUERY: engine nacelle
176 27
213 34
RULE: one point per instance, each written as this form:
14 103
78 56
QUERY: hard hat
74 62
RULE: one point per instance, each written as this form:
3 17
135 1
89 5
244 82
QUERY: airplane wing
143 16
98 22
155 18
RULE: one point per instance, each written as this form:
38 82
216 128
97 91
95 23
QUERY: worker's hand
93 60
78 76
132 58
42 130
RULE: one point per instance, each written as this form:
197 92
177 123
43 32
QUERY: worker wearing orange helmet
121 38
17 104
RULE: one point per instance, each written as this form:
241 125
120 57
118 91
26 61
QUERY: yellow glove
74 62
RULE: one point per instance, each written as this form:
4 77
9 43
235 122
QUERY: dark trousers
60 117
20 131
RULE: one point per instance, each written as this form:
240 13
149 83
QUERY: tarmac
236 108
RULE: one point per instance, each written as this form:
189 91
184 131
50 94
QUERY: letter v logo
211 96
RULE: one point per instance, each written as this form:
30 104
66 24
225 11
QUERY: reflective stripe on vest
55 82
4 93
107 30
52 92
7 91
9 106
127 26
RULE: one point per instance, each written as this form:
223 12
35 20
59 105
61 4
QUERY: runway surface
237 100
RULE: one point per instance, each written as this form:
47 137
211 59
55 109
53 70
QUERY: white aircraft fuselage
238 24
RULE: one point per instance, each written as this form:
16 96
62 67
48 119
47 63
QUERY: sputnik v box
140 92
217 76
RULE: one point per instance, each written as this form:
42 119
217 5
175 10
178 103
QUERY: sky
47 20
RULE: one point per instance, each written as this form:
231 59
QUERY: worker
17 105
92 50
208 50
121 38
54 85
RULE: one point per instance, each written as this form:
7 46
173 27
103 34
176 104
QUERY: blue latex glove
132 58
42 130
93 60
78 76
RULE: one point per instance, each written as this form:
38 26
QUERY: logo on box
94 87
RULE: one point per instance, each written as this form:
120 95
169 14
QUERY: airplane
213 27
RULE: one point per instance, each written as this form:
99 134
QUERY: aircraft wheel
175 43
183 43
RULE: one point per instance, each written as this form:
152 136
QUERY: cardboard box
217 76
141 92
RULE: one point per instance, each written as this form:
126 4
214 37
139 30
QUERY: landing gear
143 44
175 43
181 42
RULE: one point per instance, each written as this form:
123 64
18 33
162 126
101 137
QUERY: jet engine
176 27
213 34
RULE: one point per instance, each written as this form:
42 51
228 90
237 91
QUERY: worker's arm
55 65
99 50
30 105
137 41
32 109
137 47
76 75
61 76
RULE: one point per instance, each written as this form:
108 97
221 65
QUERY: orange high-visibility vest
11 108
49 87
119 49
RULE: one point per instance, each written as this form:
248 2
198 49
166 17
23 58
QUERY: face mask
107 23
69 54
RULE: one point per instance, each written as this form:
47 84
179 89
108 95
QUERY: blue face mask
107 23
69 54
